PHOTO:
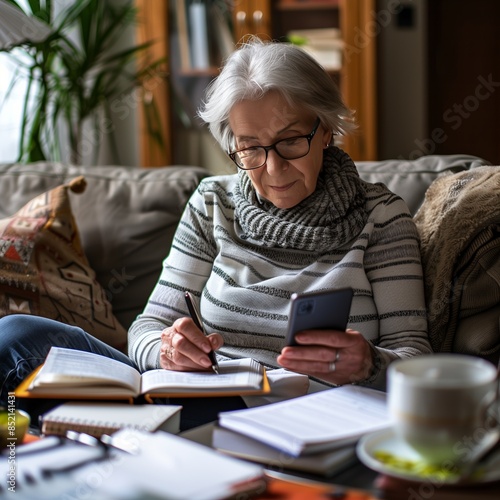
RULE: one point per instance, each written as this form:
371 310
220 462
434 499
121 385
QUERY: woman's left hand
331 355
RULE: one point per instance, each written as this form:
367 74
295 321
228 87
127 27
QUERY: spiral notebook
97 419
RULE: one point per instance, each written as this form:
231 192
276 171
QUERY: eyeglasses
288 149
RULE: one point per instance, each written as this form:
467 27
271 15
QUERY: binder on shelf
183 35
199 35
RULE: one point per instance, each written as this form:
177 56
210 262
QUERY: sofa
111 229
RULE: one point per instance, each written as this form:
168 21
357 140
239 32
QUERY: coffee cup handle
490 406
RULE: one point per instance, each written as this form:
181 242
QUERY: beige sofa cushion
44 270
410 179
126 218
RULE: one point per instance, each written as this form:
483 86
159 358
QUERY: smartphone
327 309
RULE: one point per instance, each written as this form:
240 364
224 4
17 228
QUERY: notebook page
314 422
80 368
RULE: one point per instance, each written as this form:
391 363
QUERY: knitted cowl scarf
327 219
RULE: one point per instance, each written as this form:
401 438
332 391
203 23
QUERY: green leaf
76 72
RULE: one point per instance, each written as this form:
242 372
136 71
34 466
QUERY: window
10 110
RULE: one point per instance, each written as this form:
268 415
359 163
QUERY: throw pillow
44 270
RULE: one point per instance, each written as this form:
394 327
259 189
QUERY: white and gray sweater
243 258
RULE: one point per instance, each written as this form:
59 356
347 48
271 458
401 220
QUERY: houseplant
75 74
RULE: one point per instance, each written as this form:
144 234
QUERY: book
325 463
222 34
97 419
200 58
315 422
323 44
73 374
164 465
183 34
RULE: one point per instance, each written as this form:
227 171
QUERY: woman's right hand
184 347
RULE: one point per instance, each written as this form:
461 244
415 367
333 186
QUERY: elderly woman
296 217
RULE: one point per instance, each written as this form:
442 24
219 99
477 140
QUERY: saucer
384 452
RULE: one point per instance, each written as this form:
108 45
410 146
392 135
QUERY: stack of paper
171 467
324 464
313 423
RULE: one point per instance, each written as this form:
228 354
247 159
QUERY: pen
195 314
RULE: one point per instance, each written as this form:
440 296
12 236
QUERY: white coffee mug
443 405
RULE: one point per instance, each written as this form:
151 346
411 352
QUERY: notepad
97 419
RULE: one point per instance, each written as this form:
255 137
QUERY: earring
330 143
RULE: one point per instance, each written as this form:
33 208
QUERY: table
357 476
360 482
354 483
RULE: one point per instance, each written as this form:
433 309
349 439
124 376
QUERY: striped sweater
244 258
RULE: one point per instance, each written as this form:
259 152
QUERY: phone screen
319 310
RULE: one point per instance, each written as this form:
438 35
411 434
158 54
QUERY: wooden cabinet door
358 81
153 28
252 17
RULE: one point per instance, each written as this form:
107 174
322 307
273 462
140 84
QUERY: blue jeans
26 340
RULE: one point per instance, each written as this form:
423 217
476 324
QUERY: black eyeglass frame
309 138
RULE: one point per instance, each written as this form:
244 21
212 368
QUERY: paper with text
315 422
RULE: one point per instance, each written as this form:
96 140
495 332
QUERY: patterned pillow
44 271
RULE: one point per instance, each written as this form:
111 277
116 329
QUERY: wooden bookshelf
271 20
152 28
357 77
302 5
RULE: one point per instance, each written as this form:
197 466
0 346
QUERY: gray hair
259 67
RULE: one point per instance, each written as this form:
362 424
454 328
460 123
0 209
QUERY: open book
73 374
313 423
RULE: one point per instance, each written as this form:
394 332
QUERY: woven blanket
459 225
